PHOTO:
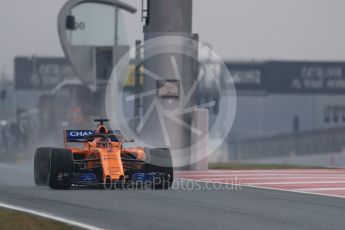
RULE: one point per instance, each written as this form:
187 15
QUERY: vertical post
195 66
116 36
137 77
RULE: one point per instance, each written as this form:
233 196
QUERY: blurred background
287 59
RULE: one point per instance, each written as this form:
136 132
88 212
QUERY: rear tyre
60 169
160 162
41 166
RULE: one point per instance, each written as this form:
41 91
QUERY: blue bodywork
75 135
142 177
87 178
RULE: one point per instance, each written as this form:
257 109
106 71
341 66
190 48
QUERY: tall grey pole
116 36
168 18
137 79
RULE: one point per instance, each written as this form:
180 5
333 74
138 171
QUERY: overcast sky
237 29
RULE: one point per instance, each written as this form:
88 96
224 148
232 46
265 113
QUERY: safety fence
299 144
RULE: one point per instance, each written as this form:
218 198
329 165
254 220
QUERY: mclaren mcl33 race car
103 161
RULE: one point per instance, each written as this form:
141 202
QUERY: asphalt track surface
189 205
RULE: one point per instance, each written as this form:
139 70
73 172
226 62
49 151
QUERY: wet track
187 206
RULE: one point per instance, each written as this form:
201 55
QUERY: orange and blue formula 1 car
102 161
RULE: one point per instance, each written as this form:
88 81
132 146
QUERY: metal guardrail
302 143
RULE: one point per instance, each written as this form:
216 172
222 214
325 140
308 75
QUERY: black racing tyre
41 165
60 169
159 161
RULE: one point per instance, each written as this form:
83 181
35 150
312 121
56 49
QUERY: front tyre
161 166
60 170
41 166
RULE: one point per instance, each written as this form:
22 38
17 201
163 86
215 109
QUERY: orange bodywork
108 154
112 164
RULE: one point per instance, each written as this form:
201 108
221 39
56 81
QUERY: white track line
265 178
295 191
321 189
50 216
327 171
297 182
260 174
267 188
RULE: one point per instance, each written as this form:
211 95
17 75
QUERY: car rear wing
80 135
